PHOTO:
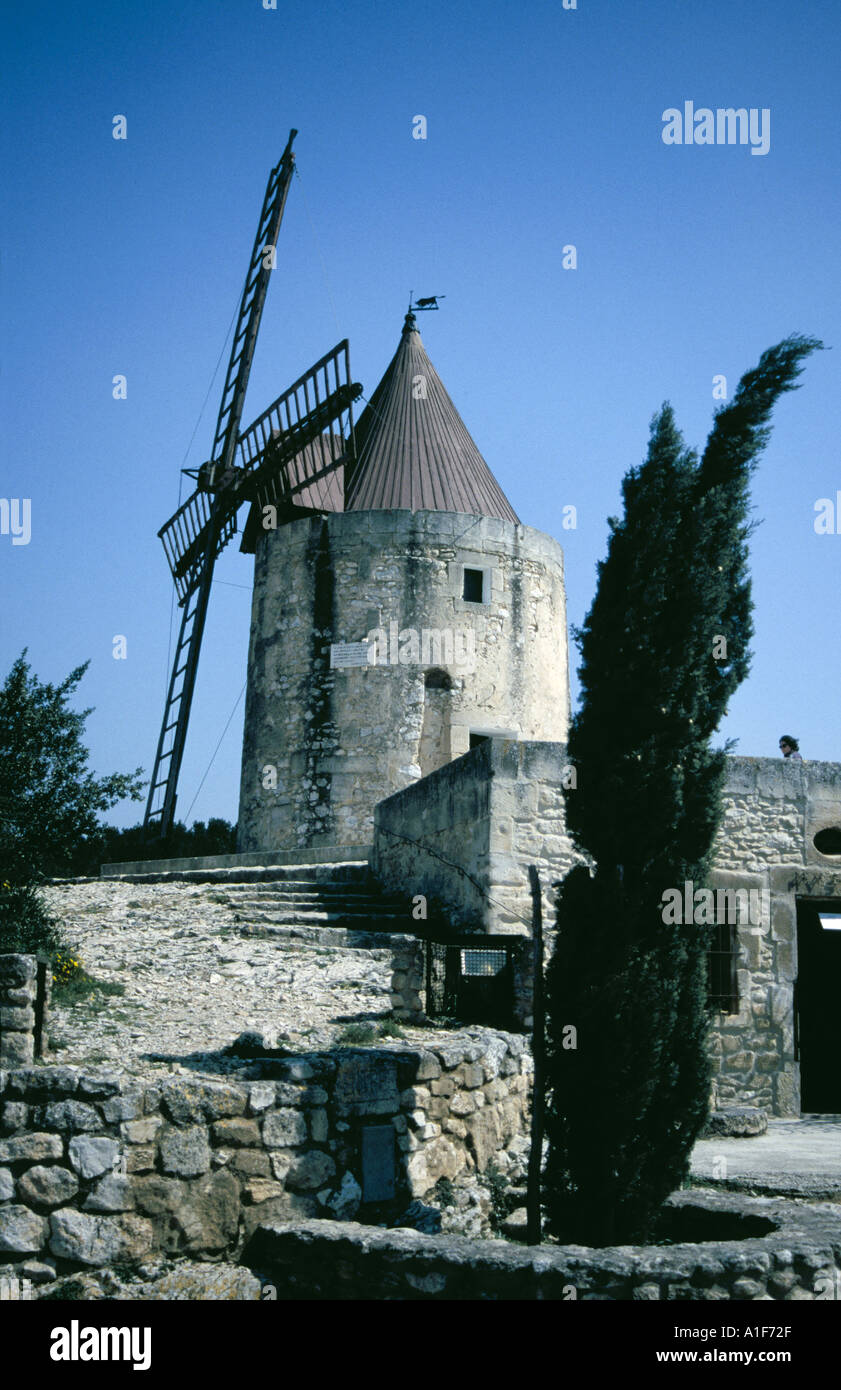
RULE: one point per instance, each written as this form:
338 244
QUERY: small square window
474 584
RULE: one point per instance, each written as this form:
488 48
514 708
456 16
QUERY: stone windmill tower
417 553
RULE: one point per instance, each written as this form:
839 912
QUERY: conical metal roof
413 449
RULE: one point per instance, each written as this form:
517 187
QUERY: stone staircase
343 914
338 904
362 905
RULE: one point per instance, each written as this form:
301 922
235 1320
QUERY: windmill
291 456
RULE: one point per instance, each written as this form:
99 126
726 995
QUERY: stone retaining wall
407 981
800 1259
96 1168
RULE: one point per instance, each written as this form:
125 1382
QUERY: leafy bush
26 927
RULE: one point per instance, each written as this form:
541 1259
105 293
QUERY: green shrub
72 983
357 1035
49 800
26 927
110 845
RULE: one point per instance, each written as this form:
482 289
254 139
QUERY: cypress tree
665 644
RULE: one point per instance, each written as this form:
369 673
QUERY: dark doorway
485 987
471 978
817 1018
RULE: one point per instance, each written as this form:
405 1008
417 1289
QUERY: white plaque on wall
349 654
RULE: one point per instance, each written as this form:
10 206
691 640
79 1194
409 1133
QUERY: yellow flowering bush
67 970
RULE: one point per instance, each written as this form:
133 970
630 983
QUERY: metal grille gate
471 979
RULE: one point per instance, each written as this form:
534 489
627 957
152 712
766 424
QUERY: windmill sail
216 527
291 452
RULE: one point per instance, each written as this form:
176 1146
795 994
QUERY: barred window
722 965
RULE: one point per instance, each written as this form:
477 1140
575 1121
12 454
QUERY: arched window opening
437 679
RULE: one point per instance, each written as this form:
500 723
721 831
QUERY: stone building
775 1032
775 966
408 702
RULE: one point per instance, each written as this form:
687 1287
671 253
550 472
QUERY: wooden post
538 1051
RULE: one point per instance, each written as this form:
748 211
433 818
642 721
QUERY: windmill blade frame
160 805
276 452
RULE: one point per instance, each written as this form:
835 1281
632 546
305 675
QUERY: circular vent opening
828 841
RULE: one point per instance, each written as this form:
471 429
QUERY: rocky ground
193 981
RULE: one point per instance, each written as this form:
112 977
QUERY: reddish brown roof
413 448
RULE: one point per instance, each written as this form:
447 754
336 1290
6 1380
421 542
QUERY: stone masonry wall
467 834
342 739
97 1168
24 1002
773 809
752 1049
407 980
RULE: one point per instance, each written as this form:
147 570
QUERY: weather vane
430 302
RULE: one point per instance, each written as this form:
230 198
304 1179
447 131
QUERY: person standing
789 747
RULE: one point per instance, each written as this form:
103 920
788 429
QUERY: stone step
352 871
306 887
388 921
319 917
335 939
280 903
350 886
356 899
303 859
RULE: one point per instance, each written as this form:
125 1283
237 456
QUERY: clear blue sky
544 129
